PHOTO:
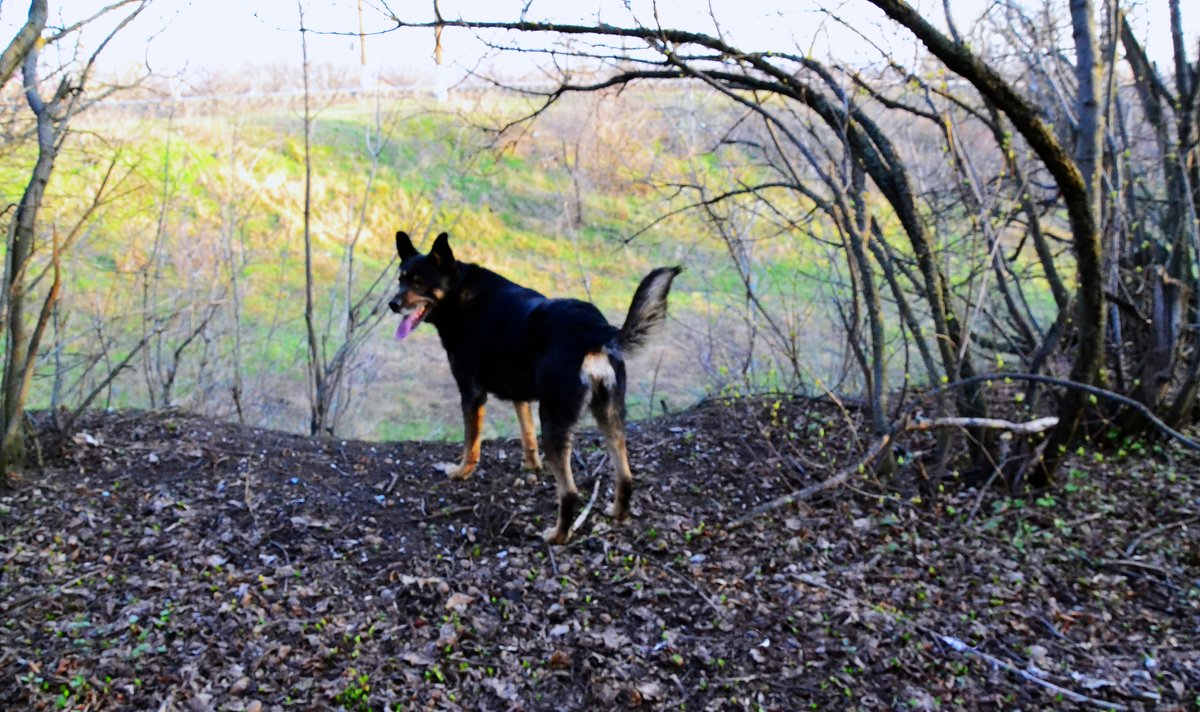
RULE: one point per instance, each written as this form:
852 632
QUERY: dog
513 343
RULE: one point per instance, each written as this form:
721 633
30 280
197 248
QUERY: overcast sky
175 35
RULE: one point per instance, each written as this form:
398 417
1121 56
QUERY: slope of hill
194 259
170 561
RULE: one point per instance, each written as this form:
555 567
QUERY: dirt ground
162 561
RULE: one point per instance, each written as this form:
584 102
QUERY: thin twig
699 591
449 512
246 495
1136 565
553 563
583 515
979 496
807 492
1133 545
962 647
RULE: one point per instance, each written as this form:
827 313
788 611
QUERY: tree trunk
17 363
316 371
1085 229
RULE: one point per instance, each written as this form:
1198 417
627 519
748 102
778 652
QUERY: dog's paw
531 463
454 470
554 536
618 514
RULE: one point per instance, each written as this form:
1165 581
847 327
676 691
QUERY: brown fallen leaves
167 561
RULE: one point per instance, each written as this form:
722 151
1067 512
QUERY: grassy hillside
196 250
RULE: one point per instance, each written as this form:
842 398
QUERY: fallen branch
903 425
591 500
962 647
446 512
1074 385
800 495
1133 545
1034 426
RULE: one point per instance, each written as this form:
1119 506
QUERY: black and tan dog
511 342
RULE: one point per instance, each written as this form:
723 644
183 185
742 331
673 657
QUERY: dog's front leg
472 434
529 456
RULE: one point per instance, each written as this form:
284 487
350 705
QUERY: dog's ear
404 246
441 251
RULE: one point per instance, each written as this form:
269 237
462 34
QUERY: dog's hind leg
529 458
562 395
556 436
472 435
608 408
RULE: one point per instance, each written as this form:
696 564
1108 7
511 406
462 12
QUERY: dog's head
425 280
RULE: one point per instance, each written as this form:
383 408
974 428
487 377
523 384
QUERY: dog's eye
417 282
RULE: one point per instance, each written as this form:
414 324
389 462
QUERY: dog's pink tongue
408 324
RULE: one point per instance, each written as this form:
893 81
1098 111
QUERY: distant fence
196 102
149 102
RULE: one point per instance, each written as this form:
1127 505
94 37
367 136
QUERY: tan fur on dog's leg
529 447
614 438
623 490
473 434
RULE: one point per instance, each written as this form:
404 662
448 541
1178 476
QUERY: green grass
236 186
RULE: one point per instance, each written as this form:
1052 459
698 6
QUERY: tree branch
23 42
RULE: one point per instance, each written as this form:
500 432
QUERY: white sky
175 35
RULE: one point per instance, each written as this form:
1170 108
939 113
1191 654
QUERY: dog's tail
648 310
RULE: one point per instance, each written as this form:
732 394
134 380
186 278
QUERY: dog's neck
446 314
471 283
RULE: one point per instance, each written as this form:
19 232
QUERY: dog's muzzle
412 314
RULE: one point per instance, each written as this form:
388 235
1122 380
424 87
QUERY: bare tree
960 286
318 397
754 81
351 317
354 309
1080 201
52 118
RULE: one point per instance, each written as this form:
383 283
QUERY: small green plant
1024 530
357 694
